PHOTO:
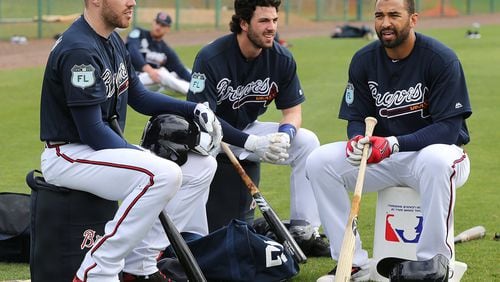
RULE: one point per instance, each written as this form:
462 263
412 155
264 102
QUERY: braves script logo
115 81
89 239
259 91
401 102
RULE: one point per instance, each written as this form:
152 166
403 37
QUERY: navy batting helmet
171 137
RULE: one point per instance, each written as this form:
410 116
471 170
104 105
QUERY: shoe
155 277
319 247
357 274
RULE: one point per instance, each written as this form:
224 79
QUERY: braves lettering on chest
115 81
401 102
259 91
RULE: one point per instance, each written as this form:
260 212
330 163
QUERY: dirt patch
35 52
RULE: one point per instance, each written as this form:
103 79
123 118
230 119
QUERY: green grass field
322 66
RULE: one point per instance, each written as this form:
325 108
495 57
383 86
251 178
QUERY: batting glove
206 118
209 122
271 148
352 152
380 148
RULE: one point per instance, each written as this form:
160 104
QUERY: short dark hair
243 11
410 5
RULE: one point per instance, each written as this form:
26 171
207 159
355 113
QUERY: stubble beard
256 40
401 36
113 18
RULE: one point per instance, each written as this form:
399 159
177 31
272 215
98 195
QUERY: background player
240 75
156 61
88 80
415 87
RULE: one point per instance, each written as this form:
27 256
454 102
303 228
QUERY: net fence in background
48 18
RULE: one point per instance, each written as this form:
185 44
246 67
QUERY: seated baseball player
157 63
241 75
415 87
88 85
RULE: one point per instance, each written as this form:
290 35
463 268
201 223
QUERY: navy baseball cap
163 19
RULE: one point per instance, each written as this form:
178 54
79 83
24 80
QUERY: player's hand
153 73
380 147
209 122
271 148
205 117
352 152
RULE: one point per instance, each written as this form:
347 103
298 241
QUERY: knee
434 160
306 140
168 180
316 161
209 166
325 159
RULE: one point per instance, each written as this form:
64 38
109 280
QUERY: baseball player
156 62
88 80
240 75
415 87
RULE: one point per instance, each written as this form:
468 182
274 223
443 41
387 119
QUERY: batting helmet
171 137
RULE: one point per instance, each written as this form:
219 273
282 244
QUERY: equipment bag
14 227
65 224
235 253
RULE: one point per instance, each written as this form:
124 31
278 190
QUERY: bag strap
35 181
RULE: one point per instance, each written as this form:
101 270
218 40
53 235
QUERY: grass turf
322 66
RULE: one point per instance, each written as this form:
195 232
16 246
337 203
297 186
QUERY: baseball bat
267 211
186 258
344 265
476 232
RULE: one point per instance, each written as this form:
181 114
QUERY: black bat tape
280 230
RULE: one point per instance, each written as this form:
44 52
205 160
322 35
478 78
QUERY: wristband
288 129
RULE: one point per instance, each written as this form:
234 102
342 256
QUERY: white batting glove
271 148
205 116
209 122
353 151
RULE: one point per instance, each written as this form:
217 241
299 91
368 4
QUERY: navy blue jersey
406 95
239 90
85 69
145 50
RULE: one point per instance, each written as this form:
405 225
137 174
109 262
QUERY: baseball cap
163 19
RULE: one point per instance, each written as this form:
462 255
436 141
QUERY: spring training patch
349 93
134 33
197 83
82 76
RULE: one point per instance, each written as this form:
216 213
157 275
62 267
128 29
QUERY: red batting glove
380 148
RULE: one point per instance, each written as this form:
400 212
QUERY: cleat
357 274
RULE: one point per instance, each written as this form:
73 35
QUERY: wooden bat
267 211
186 258
344 265
476 232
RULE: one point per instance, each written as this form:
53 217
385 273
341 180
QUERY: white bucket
398 225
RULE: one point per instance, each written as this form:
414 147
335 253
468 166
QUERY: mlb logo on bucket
403 228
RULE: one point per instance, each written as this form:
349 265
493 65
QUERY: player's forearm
94 132
232 135
442 132
151 103
292 116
